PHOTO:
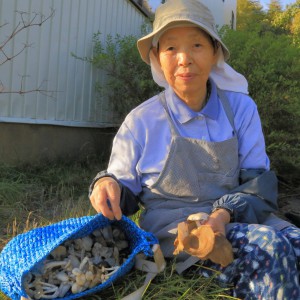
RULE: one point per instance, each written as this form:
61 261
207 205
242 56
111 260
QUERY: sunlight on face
186 56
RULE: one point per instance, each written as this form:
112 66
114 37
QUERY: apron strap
152 269
162 98
227 108
184 265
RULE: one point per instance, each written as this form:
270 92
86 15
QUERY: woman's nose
184 58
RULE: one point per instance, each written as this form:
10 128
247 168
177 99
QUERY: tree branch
22 91
22 25
37 20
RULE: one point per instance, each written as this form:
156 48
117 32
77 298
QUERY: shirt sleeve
252 149
254 199
124 158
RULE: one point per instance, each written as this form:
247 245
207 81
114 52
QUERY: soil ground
289 205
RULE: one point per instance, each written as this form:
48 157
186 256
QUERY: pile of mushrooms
78 265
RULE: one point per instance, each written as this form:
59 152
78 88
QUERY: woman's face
186 56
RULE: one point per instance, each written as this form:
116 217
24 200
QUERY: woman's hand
218 219
206 237
105 198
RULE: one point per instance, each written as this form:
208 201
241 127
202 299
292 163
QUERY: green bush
129 80
270 62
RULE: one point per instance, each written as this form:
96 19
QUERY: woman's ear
218 53
156 54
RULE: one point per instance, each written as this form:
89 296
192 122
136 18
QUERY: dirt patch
289 205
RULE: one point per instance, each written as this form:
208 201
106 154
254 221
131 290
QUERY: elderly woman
199 147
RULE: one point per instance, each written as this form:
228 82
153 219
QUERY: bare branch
46 93
3 25
7 58
22 91
22 25
36 20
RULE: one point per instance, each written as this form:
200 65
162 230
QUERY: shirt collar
184 114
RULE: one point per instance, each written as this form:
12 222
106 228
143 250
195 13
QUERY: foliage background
266 49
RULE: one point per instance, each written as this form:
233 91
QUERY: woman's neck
196 101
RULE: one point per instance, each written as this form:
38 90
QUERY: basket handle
152 269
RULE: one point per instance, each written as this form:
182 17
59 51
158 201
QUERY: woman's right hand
105 198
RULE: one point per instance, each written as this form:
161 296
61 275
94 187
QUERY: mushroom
84 243
59 252
73 262
203 242
200 218
62 276
108 234
118 234
50 291
63 289
111 261
83 275
99 237
105 274
121 244
78 264
76 288
102 251
38 289
116 255
54 264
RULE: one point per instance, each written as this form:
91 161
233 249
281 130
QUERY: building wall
47 63
23 144
68 121
224 11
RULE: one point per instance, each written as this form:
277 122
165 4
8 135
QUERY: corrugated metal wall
48 63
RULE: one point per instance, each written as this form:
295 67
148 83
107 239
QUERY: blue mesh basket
26 251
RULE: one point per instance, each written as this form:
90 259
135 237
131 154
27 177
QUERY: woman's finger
114 195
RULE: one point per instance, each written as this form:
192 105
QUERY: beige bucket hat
173 13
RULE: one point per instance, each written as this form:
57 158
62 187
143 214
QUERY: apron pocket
215 185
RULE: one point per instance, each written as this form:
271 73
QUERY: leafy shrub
270 62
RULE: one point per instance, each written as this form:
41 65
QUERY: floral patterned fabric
267 263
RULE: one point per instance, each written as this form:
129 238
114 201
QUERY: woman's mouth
185 76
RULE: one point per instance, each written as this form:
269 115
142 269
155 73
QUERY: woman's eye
170 49
197 45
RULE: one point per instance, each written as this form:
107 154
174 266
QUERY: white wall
222 10
48 62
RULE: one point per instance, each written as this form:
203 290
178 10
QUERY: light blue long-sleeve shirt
141 146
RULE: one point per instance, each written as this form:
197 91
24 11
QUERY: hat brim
144 44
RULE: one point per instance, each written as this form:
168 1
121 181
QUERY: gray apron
195 174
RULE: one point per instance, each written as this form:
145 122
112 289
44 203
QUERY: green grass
34 196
